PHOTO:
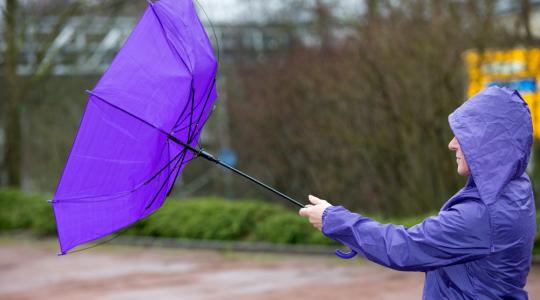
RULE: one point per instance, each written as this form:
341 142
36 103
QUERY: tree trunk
529 40
526 17
372 12
13 156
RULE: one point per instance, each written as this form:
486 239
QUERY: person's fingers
304 212
314 199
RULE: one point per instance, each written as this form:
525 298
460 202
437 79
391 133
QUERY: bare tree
526 19
18 86
366 123
12 126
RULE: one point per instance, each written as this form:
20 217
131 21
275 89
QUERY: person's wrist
324 215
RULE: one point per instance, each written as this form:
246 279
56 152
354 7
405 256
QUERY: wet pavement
31 270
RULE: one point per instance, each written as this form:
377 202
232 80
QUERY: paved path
31 270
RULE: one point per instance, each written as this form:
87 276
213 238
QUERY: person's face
462 166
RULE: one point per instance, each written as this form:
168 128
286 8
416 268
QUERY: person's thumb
314 200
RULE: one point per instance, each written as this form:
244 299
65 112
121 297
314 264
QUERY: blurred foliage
25 211
208 218
361 120
201 218
205 218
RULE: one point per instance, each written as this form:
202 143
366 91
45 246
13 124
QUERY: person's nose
453 144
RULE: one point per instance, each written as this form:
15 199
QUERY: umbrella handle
345 255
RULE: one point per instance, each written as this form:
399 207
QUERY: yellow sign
516 68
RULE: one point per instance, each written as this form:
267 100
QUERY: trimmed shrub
206 218
25 211
284 228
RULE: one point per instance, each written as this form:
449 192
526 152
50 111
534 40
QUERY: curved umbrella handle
345 255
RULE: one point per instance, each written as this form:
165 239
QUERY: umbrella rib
177 157
190 137
180 162
177 173
181 115
198 130
175 178
192 102
193 107
166 180
209 92
168 40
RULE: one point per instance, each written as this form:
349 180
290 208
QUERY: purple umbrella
140 127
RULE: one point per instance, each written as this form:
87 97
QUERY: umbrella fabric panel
146 78
186 34
187 38
116 167
149 78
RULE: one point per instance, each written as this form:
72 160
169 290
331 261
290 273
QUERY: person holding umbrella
479 245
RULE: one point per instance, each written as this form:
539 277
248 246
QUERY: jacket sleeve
457 235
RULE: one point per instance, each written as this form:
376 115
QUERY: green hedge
208 218
25 211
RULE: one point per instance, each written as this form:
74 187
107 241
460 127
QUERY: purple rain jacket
479 245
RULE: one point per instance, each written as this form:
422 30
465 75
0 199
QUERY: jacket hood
494 130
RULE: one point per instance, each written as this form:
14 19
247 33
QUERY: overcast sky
254 10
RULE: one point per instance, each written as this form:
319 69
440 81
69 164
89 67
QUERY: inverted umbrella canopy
161 85
140 127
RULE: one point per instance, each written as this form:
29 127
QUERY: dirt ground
31 270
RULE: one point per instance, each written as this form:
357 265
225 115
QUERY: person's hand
315 211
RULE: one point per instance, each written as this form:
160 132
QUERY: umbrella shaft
273 190
210 157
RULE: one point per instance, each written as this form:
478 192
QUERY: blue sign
527 85
227 156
